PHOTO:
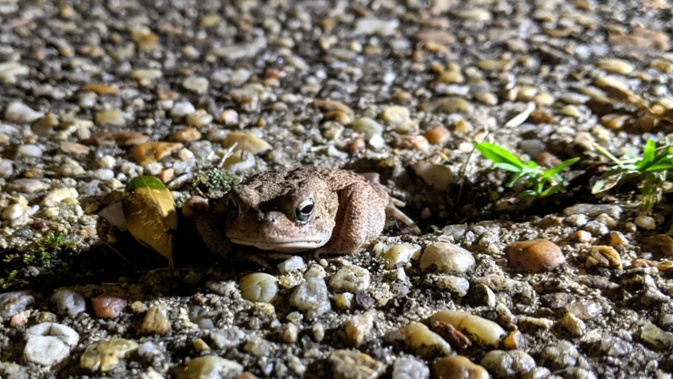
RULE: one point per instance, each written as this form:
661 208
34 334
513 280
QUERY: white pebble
350 279
49 343
68 302
107 161
103 174
29 150
311 297
447 258
56 196
13 212
292 264
645 222
21 113
259 287
182 109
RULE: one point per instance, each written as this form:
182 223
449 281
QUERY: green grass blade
497 154
547 174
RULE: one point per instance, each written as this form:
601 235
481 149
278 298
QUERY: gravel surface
95 93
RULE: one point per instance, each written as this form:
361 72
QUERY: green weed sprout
538 183
652 168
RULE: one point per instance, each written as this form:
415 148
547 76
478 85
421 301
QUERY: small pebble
29 151
347 364
508 364
295 263
446 258
105 355
311 297
155 321
259 287
534 256
48 343
478 329
210 366
289 333
108 306
68 302
645 222
458 367
410 368
12 303
350 279
21 113
182 109
423 342
358 328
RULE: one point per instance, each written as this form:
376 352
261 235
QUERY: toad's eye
304 211
232 206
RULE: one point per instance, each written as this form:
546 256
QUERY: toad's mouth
292 246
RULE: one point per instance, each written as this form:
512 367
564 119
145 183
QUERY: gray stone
68 302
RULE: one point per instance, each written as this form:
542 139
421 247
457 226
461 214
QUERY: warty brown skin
262 212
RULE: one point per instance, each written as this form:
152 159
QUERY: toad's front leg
360 218
211 229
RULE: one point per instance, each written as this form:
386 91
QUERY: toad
291 211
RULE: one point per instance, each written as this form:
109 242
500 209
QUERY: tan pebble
423 341
246 141
439 176
138 307
486 97
615 66
100 88
463 126
451 77
645 222
186 135
46 317
105 355
108 306
438 135
247 375
259 287
347 364
149 152
402 96
494 65
581 236
200 345
121 138
289 333
544 99
56 196
534 256
454 105
571 111
573 324
357 145
478 329
115 117
209 20
400 253
446 258
155 321
19 319
515 340
229 117
604 256
615 121
327 105
662 65
660 244
199 119
418 143
458 367
73 148
617 239
341 117
45 125
359 328
526 93
167 175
